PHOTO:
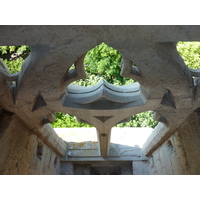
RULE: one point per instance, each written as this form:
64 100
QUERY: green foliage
3 49
7 49
103 62
144 119
90 80
14 65
190 52
14 49
65 120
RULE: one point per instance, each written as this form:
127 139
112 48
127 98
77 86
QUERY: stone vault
29 99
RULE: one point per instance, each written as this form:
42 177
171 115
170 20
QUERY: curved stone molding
74 74
46 72
97 101
104 96
128 70
195 72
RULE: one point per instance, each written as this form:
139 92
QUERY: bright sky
125 136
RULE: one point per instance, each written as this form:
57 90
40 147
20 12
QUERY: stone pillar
140 168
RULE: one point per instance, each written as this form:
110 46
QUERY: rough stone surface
23 152
179 154
82 169
97 168
165 86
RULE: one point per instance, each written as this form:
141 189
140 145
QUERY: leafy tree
143 119
66 120
13 56
105 61
190 52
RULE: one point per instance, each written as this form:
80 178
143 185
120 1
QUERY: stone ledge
128 158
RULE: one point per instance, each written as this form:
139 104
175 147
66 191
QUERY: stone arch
40 84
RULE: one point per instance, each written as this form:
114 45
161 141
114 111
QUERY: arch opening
14 56
103 63
144 119
190 52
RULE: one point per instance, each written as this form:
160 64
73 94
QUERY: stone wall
22 152
105 168
179 154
